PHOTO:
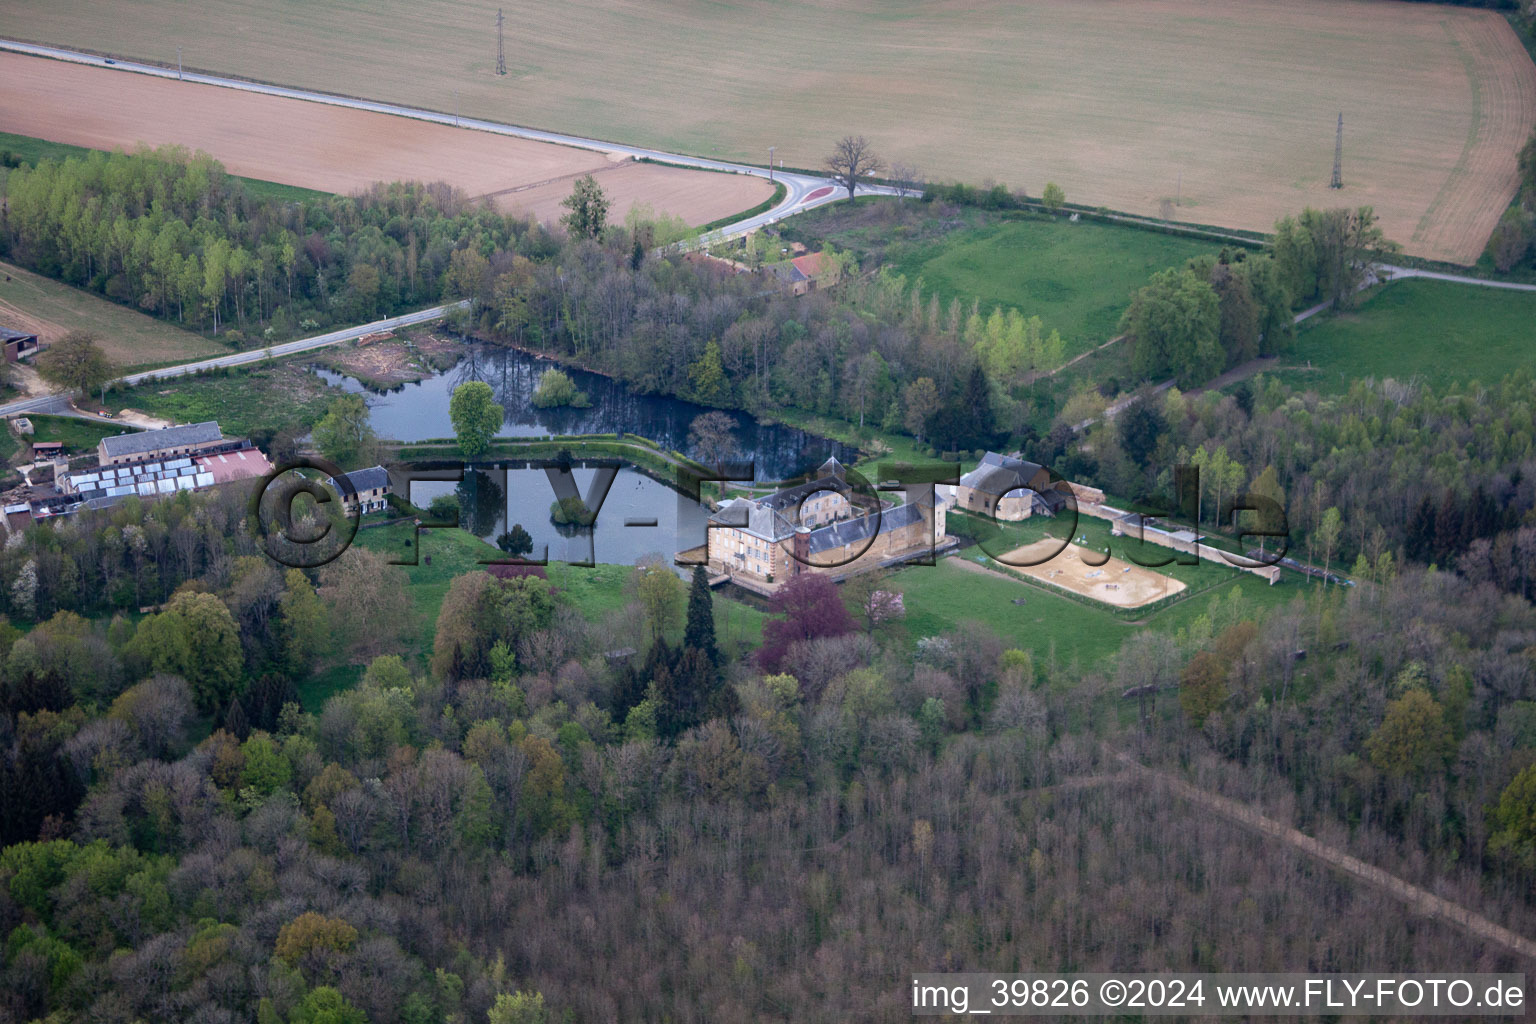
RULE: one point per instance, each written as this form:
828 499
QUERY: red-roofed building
245 464
806 273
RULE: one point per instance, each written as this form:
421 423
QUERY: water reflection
491 502
418 412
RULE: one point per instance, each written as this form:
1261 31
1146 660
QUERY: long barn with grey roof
168 443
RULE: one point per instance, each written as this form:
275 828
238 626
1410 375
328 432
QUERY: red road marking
825 190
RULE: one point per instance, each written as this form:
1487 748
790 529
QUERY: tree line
172 234
1409 471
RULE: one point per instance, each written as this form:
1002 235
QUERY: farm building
805 274
1007 488
155 445
107 485
365 490
18 344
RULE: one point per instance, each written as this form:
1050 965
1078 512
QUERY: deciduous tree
712 437
810 608
1413 739
345 434
476 416
76 362
851 161
194 638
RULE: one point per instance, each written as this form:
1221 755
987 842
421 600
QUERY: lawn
269 397
595 591
77 435
1228 105
441 556
1077 277
1057 628
1433 331
131 340
29 151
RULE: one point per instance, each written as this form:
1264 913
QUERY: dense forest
515 822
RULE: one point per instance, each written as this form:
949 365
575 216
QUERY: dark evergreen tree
235 721
1421 531
1141 427
38 691
965 420
629 688
1450 528
700 632
516 541
264 701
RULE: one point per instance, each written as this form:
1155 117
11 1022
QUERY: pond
639 516
417 412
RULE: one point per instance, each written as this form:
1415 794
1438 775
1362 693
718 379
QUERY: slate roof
6 335
765 516
861 529
998 474
123 445
787 272
767 523
792 496
372 478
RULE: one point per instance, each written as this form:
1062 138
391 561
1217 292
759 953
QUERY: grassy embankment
29 151
130 339
1435 331
267 397
1078 278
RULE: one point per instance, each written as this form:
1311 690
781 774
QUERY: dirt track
1417 899
334 149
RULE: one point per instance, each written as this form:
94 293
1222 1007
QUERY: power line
1338 156
501 53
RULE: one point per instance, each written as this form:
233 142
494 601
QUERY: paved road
1398 273
290 347
799 188
61 403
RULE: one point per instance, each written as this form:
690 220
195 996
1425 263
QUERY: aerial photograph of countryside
767 511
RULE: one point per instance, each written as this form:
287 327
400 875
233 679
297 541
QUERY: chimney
802 549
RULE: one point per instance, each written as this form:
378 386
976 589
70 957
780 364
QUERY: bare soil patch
335 149
385 364
1114 582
